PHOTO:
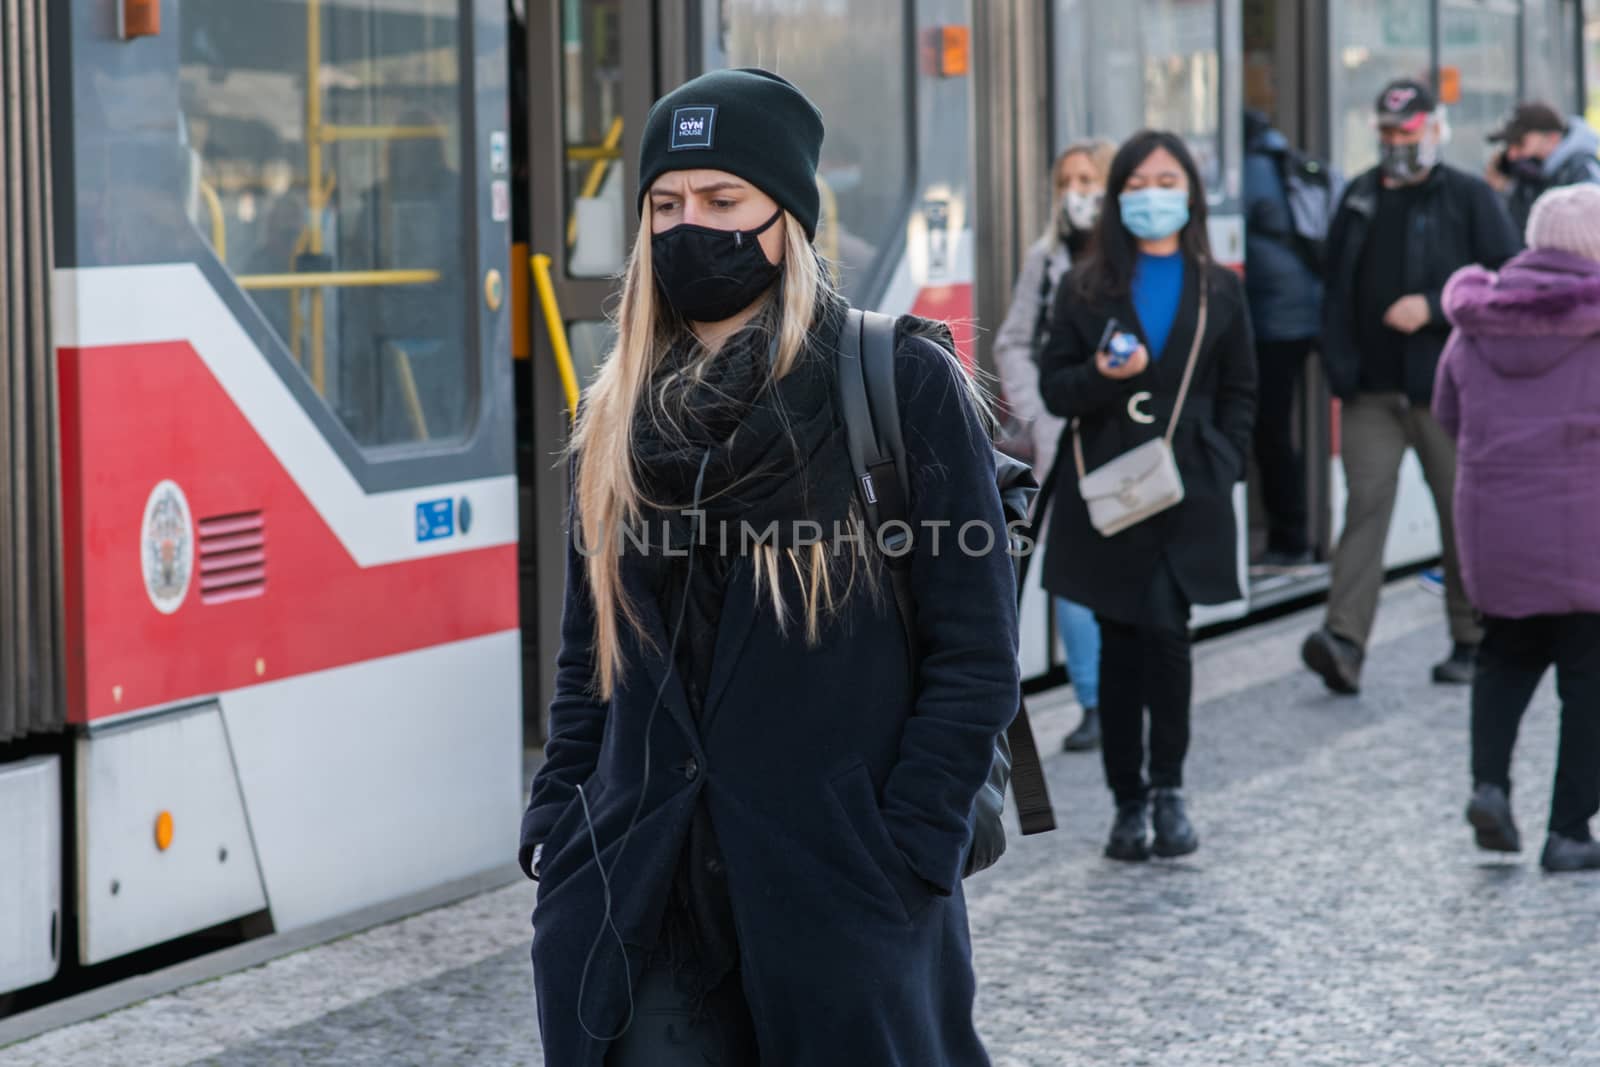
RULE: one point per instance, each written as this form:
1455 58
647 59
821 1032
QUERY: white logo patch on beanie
692 127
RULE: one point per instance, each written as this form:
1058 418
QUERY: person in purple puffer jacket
1519 388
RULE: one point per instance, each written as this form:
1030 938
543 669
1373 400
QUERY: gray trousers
1376 429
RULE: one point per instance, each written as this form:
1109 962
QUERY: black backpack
871 413
1311 190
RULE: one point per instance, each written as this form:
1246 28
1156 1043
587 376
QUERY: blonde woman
750 829
1079 181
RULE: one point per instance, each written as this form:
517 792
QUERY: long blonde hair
608 495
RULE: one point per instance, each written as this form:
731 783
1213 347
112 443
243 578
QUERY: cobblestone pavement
1336 914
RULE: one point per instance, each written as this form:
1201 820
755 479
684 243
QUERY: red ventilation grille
233 557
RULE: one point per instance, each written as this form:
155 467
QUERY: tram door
1283 43
589 73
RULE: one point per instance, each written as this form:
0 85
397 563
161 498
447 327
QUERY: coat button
714 866
691 769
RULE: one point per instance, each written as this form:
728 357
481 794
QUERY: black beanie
747 122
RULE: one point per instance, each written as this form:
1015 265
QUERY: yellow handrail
558 331
413 398
219 225
829 230
597 173
337 279
332 134
589 153
315 198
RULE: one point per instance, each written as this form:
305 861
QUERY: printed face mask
710 275
1407 164
1154 214
1080 211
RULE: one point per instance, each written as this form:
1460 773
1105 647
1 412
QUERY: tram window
850 57
1591 66
345 163
1150 63
590 340
1549 50
1479 40
596 202
1374 42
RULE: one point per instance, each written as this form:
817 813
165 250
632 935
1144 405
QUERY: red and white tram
280 548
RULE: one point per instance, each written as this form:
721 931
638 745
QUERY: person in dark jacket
750 828
1542 151
1402 229
1286 311
1150 265
1519 389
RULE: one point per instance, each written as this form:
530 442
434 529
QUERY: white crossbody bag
1143 481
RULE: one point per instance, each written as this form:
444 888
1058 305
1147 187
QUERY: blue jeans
1081 634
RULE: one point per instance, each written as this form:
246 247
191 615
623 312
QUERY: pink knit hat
1567 218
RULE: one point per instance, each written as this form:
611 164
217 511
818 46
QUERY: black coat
1199 537
839 791
1458 221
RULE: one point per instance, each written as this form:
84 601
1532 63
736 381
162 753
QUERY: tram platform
1337 913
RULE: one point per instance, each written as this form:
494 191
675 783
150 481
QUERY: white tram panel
373 781
1414 528
164 847
30 872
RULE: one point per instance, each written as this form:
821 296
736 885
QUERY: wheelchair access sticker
436 519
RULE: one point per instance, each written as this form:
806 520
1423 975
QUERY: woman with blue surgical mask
1078 182
1149 325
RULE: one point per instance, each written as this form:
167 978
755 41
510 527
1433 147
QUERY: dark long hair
1107 274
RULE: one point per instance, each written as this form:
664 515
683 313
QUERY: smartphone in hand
1117 344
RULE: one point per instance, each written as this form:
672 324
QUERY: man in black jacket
1403 229
1542 151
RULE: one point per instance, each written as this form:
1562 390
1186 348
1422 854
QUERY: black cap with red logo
1405 104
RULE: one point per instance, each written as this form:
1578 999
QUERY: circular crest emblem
167 547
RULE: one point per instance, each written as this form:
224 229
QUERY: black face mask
710 275
1528 168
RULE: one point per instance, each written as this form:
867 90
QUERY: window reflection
1142 63
1480 44
1374 42
326 138
849 57
596 202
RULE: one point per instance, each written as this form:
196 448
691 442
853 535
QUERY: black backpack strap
878 455
887 476
871 414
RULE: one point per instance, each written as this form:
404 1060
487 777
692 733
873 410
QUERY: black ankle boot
1175 835
1130 834
1489 812
1086 738
1456 669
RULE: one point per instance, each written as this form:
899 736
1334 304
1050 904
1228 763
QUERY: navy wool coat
1199 537
840 789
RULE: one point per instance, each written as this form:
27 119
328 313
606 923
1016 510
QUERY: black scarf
773 451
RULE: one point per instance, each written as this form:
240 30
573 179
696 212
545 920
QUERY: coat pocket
569 837
857 800
1229 461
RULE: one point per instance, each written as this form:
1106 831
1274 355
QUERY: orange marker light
955 53
1450 85
164 831
947 52
138 18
